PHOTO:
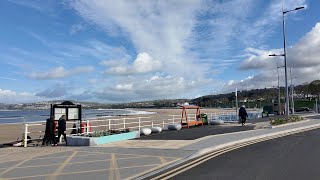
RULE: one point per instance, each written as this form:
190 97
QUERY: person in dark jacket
243 115
62 126
49 132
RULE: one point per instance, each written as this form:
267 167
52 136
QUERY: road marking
113 165
13 167
80 172
151 170
162 160
129 154
61 167
218 152
6 154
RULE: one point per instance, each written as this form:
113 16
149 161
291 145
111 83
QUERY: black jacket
49 126
62 125
243 112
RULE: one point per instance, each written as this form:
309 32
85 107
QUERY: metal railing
132 123
92 125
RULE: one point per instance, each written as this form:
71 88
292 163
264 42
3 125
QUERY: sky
127 51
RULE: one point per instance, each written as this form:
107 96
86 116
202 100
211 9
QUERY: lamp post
279 98
236 93
285 56
292 102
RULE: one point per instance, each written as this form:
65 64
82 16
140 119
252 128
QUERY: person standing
62 127
243 114
49 135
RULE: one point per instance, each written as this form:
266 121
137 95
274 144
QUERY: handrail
127 122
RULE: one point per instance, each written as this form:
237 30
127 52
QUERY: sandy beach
12 132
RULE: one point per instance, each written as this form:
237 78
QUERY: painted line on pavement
81 172
61 167
13 167
114 172
162 160
130 154
153 169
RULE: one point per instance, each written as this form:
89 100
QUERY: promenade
132 159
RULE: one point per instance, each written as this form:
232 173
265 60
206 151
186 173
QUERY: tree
314 87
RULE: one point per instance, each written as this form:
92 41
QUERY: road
292 157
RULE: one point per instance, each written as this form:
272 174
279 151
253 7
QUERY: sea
24 116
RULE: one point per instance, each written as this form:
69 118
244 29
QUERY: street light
292 102
279 98
285 56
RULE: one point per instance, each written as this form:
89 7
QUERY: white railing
132 123
92 125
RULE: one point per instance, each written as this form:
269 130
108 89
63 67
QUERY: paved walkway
122 160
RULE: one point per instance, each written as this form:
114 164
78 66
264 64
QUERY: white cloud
7 78
157 28
144 63
303 58
76 28
123 87
155 87
11 97
60 72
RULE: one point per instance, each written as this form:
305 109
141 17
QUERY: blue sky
124 51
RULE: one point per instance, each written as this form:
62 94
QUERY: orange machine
184 116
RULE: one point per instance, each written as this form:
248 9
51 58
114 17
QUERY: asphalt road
295 157
196 132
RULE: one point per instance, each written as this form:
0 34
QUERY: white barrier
135 123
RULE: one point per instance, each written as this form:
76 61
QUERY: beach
12 132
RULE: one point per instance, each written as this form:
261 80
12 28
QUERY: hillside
304 95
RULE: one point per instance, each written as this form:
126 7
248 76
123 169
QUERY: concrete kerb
303 121
225 145
287 124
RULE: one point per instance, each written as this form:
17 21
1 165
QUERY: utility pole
236 101
316 110
279 99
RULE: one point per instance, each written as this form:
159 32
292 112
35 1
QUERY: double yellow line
218 152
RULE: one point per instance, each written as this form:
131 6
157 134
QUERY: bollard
124 123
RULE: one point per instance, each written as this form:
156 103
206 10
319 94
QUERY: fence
132 123
100 124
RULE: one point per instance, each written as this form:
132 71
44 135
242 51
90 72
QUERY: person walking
49 135
243 114
62 126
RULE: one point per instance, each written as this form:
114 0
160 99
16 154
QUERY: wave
133 112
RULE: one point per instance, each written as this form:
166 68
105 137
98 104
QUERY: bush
287 119
107 132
